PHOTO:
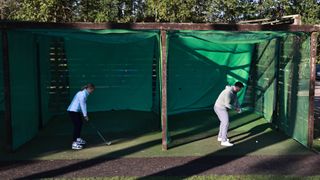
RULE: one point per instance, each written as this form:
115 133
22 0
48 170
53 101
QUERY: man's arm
237 105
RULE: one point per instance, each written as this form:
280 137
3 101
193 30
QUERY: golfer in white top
227 100
76 110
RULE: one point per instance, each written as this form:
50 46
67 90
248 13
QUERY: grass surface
226 177
192 134
316 144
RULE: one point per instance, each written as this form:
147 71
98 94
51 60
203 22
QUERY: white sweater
227 99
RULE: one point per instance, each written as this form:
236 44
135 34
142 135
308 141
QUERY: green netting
45 76
264 74
2 126
120 65
24 102
125 66
294 76
122 70
119 62
201 64
1 77
283 62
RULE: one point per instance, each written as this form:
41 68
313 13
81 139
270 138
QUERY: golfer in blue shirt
76 110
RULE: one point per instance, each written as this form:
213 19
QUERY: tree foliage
222 11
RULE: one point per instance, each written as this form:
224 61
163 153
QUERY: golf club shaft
98 132
101 136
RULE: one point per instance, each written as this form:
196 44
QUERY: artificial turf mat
192 134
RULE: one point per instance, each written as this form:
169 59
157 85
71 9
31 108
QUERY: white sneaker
81 141
76 146
226 143
220 139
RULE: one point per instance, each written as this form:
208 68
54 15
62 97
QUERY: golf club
108 143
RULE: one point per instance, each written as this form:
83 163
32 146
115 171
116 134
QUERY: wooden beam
7 92
313 59
159 26
164 114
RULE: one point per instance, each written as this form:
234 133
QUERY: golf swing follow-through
76 110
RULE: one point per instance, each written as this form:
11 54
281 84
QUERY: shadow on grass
211 161
189 127
302 165
92 162
192 168
254 131
57 135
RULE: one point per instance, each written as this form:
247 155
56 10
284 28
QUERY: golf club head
108 143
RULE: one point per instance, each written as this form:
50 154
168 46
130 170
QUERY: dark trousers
76 119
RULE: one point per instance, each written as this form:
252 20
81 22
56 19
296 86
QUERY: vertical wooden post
7 91
313 56
164 90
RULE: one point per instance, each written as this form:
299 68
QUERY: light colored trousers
223 116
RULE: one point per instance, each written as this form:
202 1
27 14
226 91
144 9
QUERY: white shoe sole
76 148
227 145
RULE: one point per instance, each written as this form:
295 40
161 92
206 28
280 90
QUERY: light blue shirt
79 102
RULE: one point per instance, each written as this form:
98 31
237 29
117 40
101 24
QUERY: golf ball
257 141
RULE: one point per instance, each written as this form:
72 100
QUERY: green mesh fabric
294 76
264 73
2 126
24 102
119 62
125 67
201 64
283 62
120 65
45 76
1 77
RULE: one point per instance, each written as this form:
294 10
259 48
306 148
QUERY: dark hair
89 85
239 84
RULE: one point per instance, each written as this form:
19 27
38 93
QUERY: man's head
89 87
238 86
